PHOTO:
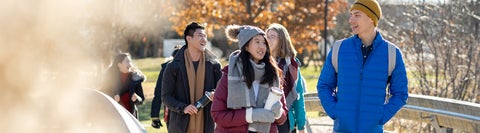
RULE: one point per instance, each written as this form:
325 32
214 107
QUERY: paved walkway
323 125
320 125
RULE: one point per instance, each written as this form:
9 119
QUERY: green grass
311 76
151 68
144 116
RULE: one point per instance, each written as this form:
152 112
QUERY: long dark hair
112 81
118 59
272 72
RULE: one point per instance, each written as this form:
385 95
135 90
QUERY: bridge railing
443 113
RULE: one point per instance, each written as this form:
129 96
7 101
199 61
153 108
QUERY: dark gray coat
176 94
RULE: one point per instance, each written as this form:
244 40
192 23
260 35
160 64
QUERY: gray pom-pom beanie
242 34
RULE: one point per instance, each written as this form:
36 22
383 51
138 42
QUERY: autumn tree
441 46
440 43
304 19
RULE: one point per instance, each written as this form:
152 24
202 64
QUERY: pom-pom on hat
242 34
369 7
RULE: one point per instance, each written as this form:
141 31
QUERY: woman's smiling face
257 47
125 65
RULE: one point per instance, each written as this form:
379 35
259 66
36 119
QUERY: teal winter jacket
296 113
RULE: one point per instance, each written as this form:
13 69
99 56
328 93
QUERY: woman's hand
212 95
116 98
135 97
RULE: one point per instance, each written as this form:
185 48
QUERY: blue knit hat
242 34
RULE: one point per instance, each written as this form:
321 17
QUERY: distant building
169 44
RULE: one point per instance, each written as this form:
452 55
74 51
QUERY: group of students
352 86
239 90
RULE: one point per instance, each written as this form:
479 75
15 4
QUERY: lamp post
325 32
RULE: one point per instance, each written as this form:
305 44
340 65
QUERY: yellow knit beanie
369 7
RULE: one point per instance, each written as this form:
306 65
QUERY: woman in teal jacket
293 84
355 95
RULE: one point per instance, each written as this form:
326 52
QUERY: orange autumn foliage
304 19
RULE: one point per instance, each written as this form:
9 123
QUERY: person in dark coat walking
124 83
157 101
193 71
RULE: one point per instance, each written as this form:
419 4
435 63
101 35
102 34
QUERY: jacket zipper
357 116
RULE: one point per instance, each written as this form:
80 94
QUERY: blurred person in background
123 81
193 73
157 101
294 84
241 95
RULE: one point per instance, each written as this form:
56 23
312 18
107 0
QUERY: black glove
156 124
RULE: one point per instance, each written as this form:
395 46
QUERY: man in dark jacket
157 101
193 71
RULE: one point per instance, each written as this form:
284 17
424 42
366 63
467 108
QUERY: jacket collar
376 41
209 56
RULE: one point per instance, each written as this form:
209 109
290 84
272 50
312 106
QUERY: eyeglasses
201 35
272 37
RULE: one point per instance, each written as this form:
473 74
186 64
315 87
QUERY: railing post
433 120
309 129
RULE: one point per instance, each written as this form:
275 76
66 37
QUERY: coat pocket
382 118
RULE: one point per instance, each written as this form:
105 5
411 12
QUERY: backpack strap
391 63
392 54
391 58
335 49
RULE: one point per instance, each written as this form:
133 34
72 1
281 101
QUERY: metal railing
444 114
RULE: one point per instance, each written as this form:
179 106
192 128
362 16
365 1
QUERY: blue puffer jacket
359 104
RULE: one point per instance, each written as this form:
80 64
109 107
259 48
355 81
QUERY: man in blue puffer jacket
355 96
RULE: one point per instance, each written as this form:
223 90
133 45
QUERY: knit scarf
240 96
238 93
290 67
196 87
